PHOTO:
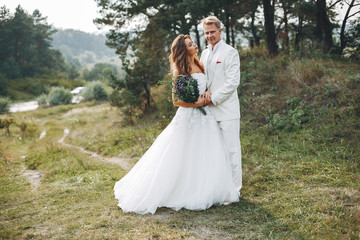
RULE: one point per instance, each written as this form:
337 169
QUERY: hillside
300 134
86 48
81 49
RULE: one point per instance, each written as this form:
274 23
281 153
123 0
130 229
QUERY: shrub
115 98
42 100
5 123
95 91
294 117
28 129
38 85
66 83
4 104
164 104
59 95
35 86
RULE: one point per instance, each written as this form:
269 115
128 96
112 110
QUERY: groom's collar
217 45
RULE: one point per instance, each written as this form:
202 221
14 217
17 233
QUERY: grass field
301 173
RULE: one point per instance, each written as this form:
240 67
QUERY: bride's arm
179 103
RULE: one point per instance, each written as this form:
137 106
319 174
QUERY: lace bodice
201 78
191 115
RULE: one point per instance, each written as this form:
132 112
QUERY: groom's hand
207 96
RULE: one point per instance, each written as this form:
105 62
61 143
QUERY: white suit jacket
224 82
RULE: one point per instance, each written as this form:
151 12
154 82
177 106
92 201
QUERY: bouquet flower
187 90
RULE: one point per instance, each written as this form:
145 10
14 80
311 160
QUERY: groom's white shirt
222 68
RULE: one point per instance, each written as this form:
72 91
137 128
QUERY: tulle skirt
186 167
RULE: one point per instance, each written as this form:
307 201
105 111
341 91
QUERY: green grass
127 142
301 173
75 200
312 188
79 208
19 96
25 89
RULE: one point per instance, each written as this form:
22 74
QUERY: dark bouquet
187 90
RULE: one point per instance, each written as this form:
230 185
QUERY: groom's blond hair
212 20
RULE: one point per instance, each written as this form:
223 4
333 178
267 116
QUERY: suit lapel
213 65
205 60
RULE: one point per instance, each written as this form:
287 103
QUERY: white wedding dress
186 167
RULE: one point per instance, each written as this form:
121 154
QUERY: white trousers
230 130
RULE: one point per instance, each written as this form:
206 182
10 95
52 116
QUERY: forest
288 28
36 57
141 33
299 97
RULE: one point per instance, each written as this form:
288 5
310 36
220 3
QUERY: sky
74 14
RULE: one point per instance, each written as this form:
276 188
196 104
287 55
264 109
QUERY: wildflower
187 89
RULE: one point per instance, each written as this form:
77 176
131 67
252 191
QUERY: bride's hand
200 101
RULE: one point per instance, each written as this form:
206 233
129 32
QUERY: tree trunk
323 25
286 28
251 43
227 21
328 32
342 33
256 39
198 43
270 28
298 33
147 97
227 29
232 36
319 23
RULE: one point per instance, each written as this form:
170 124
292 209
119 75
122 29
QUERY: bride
187 165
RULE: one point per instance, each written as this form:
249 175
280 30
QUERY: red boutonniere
218 62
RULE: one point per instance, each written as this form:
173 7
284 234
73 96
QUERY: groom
222 68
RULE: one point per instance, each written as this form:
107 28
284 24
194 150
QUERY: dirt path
33 177
122 162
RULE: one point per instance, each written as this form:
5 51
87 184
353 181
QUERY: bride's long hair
179 57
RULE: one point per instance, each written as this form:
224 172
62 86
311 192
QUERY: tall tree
143 50
255 36
282 33
147 67
270 27
26 45
305 14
